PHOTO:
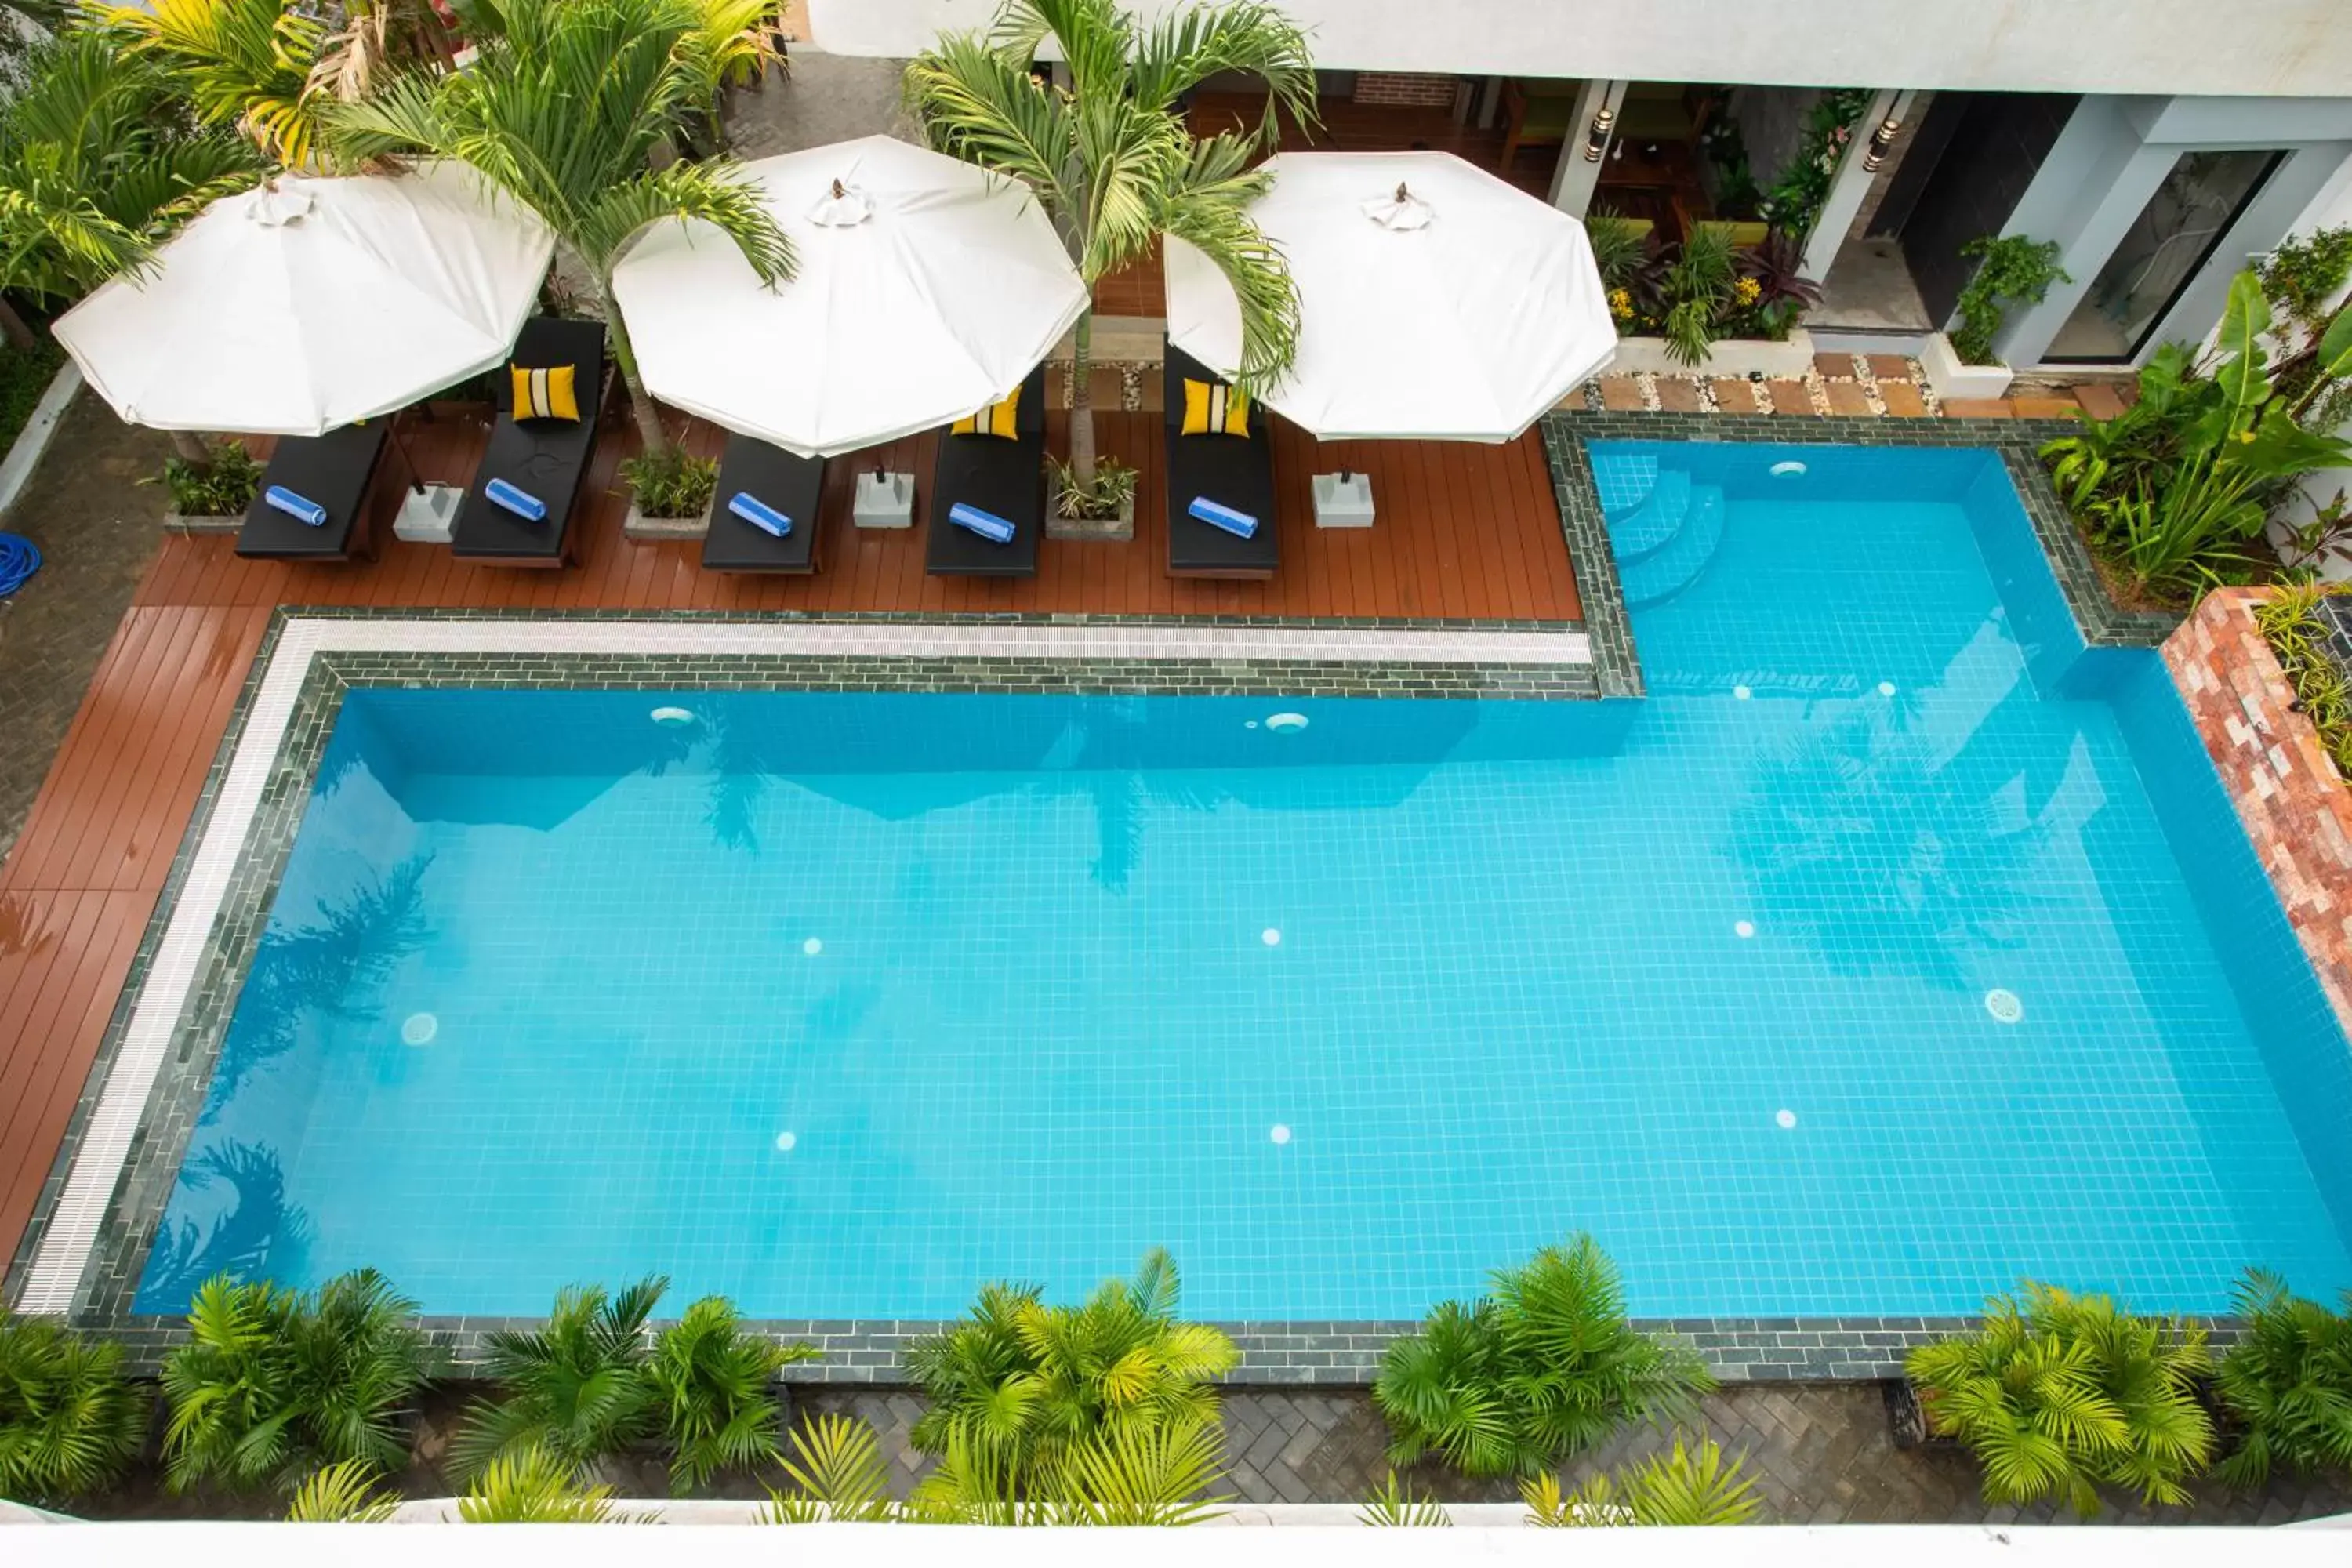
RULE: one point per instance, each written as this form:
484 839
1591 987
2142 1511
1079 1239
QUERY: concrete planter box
1952 379
1729 357
637 525
1115 529
207 522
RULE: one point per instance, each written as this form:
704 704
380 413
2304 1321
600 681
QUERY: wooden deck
1464 531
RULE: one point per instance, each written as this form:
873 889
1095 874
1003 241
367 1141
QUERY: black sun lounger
545 457
1006 477
768 473
1232 470
345 472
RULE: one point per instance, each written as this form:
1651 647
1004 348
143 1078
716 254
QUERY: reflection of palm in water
1857 836
333 969
259 1234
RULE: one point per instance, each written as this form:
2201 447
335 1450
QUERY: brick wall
2285 786
1403 89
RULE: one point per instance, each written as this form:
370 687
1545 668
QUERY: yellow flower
1620 304
1747 291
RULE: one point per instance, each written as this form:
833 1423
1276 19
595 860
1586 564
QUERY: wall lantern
1596 140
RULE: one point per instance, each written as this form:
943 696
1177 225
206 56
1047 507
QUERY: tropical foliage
1021 1385
1542 1368
717 1389
573 1390
2010 269
2301 636
532 1484
70 1419
1130 1476
222 482
1794 202
2172 491
1703 289
98 163
1396 1506
563 108
1684 1487
1110 157
346 1492
2287 1384
670 481
2059 1394
273 1383
246 65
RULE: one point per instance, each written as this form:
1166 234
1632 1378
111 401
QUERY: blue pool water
844 1004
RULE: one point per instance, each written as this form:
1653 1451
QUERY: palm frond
341 1493
1247 37
711 194
977 104
1394 1506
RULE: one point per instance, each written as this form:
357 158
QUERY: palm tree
245 63
563 109
98 163
1110 157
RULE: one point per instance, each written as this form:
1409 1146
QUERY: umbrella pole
416 479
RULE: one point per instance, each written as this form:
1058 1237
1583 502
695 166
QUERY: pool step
1655 578
1651 526
1623 479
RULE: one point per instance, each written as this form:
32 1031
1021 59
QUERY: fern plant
716 1386
274 1383
69 1420
2059 1394
1029 1383
2288 1384
1544 1367
575 1390
1685 1487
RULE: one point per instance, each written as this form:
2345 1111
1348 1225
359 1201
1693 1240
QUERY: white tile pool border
58 1265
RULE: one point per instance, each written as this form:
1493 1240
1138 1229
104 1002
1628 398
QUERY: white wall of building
2214 47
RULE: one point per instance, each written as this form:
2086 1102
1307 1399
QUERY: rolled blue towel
760 514
986 524
301 508
1240 524
521 503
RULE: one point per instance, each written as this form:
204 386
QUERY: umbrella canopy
1435 300
312 301
927 290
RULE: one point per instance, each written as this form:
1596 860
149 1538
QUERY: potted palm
563 109
1112 161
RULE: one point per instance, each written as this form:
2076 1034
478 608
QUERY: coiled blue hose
19 559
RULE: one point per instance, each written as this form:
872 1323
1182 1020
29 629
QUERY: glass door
2166 246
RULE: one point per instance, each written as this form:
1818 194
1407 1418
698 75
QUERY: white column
1490 99
1588 135
1865 153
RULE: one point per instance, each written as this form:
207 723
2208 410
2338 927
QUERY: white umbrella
927 290
313 301
1460 311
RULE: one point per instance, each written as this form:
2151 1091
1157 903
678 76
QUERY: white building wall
2251 46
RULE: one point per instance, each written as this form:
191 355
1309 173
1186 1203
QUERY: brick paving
1818 1454
96 526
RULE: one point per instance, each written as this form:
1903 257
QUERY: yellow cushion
999 418
1212 408
545 393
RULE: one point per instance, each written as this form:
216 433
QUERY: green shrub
1026 1383
343 1493
672 482
716 1386
1543 1368
273 1383
2287 1383
69 1420
530 1485
575 1390
224 487
2302 274
2291 622
2010 268
1396 1506
1687 1488
2061 1394
1113 488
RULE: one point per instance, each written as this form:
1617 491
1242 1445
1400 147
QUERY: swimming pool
1895 948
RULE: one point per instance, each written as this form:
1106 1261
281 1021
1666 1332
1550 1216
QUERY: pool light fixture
1786 468
1286 724
784 1142
1786 1119
812 946
1271 936
419 1029
1743 928
673 717
1886 688
2004 1006
1281 1133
